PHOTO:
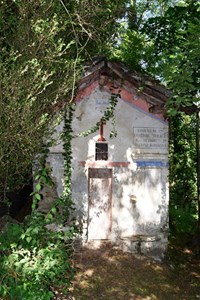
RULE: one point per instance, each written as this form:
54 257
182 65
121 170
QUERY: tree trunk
198 164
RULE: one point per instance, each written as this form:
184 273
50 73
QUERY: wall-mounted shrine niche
101 146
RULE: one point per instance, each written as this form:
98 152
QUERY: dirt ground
110 274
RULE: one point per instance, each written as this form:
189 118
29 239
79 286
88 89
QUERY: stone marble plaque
150 137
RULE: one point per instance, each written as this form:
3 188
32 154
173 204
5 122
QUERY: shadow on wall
131 214
139 202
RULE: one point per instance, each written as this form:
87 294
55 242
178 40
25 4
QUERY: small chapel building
120 172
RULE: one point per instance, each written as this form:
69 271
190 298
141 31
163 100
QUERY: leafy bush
33 260
183 220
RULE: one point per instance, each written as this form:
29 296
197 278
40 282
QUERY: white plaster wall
140 201
90 110
140 194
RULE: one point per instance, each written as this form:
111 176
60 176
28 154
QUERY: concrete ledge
142 238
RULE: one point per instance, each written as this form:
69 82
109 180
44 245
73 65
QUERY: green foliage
178 64
34 260
129 54
182 220
42 178
162 38
133 46
66 201
43 45
183 172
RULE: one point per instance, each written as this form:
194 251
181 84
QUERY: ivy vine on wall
108 114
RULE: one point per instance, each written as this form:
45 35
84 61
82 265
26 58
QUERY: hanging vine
42 177
66 197
108 114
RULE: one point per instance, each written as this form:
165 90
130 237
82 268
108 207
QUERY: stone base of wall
149 246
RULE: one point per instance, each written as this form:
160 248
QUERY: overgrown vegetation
183 173
34 259
43 46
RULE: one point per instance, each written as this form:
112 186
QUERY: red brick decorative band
104 164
